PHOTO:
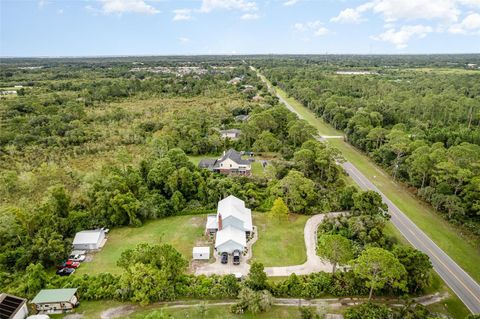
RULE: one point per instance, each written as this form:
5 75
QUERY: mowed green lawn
180 231
463 250
280 243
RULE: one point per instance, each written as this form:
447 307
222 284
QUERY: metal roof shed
88 239
201 253
56 300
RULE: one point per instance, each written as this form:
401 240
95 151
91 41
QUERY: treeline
424 128
157 273
165 183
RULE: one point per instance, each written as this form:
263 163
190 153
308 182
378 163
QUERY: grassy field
449 238
94 309
195 159
181 231
280 243
257 169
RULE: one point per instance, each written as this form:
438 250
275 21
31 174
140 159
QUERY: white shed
12 307
201 253
89 239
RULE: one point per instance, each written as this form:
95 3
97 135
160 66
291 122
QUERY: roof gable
232 206
230 234
87 237
234 156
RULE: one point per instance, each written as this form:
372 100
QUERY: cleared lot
180 231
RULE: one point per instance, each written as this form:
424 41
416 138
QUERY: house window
221 165
230 165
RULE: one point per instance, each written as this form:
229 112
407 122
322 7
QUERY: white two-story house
231 225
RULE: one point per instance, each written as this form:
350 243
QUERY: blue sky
163 27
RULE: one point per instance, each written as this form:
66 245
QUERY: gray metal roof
88 237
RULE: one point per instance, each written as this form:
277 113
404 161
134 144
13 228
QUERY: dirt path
122 311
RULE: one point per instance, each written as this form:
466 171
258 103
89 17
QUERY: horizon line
224 54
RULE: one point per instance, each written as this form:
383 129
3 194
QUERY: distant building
242 118
12 307
230 163
89 239
235 80
233 134
56 300
353 72
8 92
472 66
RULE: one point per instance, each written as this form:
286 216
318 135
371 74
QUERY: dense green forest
88 143
420 121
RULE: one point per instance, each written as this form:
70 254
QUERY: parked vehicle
78 258
72 264
236 257
238 276
65 271
224 258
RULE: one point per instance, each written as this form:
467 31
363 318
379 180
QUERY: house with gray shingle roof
230 163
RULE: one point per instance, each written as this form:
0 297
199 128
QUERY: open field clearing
280 243
180 231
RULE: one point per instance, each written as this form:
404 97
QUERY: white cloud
445 11
401 36
242 5
183 40
393 10
316 27
290 2
321 31
182 14
402 18
250 16
348 15
43 3
125 6
471 24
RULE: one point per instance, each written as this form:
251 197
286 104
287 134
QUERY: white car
76 258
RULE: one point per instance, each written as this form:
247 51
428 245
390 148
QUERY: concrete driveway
217 268
313 263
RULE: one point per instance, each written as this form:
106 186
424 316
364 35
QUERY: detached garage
201 253
89 239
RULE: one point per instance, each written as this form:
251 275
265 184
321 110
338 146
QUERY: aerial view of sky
164 27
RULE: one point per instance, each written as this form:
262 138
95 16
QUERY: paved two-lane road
464 286
456 278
